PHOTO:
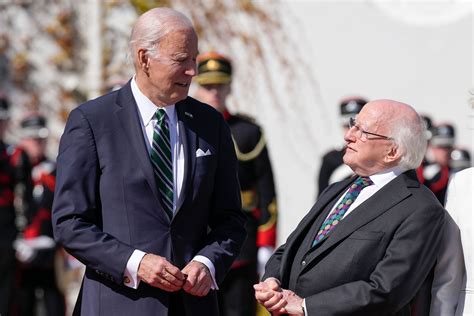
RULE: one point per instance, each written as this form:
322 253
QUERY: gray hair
410 136
152 26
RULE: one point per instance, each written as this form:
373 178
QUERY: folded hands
156 271
277 300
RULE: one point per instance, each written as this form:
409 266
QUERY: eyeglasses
359 132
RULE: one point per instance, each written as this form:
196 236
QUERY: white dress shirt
147 110
380 180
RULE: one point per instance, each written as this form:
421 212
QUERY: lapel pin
188 114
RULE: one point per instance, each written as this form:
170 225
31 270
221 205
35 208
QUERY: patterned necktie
338 213
162 161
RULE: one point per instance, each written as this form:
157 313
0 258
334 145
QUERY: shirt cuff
305 311
205 261
130 275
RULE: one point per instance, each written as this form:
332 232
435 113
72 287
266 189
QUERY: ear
394 154
143 60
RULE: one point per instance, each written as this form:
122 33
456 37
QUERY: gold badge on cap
213 65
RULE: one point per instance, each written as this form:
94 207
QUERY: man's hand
199 279
270 295
294 303
160 273
276 300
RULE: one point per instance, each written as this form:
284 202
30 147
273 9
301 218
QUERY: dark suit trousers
236 293
176 307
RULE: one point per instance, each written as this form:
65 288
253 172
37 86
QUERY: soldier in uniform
256 181
36 248
460 159
333 168
7 217
435 172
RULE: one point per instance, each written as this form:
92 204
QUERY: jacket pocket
366 235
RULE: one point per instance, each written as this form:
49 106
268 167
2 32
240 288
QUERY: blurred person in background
428 158
460 159
8 229
257 187
428 124
333 168
435 172
36 249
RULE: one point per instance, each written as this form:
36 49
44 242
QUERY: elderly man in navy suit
369 242
147 195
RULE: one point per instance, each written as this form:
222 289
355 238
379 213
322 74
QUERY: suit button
303 263
126 279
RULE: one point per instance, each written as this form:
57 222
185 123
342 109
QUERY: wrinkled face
366 155
169 75
214 95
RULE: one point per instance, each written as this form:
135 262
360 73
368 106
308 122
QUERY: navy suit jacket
107 203
374 261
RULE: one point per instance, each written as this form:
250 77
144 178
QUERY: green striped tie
162 161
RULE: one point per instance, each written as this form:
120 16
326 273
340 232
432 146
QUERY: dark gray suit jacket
374 261
107 202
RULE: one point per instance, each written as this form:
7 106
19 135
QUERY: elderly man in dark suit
147 194
370 241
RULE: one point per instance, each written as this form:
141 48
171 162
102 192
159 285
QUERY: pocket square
201 153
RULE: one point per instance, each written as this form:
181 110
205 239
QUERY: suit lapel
387 197
315 214
189 138
127 113
326 198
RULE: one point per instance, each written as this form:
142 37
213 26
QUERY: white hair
152 26
410 137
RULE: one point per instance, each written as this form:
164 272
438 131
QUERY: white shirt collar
382 178
147 108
